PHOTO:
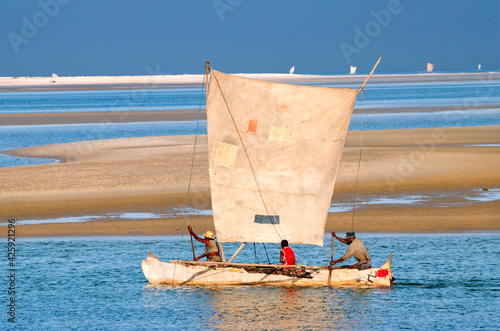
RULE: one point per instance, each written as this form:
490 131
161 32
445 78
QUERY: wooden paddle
330 266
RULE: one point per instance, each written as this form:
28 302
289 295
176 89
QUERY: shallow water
422 200
381 95
442 282
99 100
13 137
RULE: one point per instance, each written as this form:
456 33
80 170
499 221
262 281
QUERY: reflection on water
265 308
287 308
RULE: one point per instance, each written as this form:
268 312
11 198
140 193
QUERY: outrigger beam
236 253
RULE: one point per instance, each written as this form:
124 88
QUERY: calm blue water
445 281
469 102
384 95
460 94
99 100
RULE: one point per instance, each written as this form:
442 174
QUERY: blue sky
140 37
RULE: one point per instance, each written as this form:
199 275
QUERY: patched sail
274 151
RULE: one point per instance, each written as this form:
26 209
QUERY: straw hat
209 234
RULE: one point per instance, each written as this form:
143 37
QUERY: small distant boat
430 67
292 69
353 70
54 76
273 157
478 67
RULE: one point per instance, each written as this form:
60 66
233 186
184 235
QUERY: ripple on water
92 283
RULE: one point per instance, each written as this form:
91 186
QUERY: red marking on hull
382 273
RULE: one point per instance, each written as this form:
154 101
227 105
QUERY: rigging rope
192 163
361 90
297 255
266 253
359 162
249 162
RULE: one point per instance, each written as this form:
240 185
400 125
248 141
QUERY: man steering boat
356 249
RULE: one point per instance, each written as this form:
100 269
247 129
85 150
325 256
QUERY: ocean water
443 282
466 103
98 100
459 94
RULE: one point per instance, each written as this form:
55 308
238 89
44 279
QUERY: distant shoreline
177 115
22 84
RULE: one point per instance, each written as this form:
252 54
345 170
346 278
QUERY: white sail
430 67
353 70
478 67
274 151
292 69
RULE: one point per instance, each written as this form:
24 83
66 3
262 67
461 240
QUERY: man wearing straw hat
356 249
211 247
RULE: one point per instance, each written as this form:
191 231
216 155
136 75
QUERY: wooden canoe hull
185 273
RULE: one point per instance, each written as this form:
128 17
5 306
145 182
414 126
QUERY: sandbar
151 174
137 116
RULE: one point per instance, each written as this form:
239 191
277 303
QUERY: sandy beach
150 175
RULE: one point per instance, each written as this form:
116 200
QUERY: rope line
266 253
192 165
248 158
359 162
361 90
297 255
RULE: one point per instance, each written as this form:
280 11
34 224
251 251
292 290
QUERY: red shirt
289 256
